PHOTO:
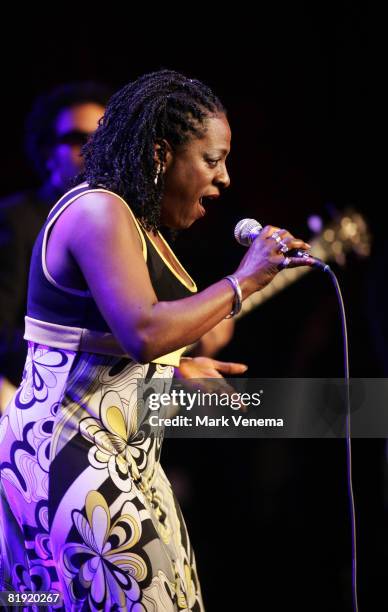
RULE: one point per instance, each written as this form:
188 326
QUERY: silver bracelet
237 302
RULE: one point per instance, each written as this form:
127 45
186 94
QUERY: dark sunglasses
74 137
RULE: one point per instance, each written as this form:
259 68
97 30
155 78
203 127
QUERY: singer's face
196 171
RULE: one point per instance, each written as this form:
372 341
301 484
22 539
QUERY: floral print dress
86 509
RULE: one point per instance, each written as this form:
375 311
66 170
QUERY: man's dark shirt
21 218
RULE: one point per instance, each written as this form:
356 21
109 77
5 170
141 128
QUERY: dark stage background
268 519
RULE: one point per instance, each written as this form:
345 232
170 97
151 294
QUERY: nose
222 178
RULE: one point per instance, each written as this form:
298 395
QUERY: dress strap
55 213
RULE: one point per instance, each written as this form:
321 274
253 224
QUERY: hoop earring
158 173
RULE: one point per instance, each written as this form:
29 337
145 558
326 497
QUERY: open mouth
204 201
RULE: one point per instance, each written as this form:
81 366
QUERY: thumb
229 367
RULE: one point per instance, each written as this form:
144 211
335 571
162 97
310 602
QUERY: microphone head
246 231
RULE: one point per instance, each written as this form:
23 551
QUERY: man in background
56 129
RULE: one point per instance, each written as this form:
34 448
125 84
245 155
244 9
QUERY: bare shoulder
99 207
100 215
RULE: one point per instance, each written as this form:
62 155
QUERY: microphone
247 230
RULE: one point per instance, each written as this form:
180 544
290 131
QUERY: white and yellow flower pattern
77 454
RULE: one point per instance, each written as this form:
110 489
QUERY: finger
268 230
296 243
278 233
296 262
284 236
230 367
288 238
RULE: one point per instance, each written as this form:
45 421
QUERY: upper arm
105 243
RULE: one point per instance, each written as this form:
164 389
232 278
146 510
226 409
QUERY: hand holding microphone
271 249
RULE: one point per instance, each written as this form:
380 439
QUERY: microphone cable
245 232
348 437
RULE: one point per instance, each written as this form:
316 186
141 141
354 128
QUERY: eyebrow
223 151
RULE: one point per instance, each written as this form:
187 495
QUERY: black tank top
65 307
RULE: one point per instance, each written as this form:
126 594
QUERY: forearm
172 325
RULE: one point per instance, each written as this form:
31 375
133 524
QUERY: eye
212 162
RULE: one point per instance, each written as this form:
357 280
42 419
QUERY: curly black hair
157 107
40 134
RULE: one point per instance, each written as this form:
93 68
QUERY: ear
163 153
